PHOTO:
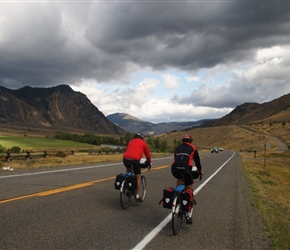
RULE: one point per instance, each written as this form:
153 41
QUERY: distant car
214 150
221 149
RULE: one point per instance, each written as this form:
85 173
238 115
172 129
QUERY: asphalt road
78 208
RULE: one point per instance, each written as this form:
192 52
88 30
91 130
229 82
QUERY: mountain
130 123
135 125
62 109
56 108
277 110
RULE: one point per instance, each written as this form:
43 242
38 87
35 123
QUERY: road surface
78 208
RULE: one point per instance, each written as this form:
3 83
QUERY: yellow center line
18 198
64 189
161 167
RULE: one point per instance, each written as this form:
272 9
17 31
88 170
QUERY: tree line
155 144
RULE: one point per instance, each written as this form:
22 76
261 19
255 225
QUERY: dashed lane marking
68 188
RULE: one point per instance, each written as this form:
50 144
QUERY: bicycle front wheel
125 195
176 221
143 187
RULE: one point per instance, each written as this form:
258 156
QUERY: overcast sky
159 61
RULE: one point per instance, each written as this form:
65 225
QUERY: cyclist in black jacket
182 166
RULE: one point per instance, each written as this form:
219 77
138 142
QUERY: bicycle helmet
186 138
138 135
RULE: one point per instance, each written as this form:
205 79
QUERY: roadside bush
2 149
60 154
15 149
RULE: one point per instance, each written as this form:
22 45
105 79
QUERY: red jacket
135 150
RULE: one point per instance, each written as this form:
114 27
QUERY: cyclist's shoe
188 220
138 199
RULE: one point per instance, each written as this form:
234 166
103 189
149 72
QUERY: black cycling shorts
129 163
182 173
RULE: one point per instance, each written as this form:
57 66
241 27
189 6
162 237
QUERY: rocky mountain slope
56 108
248 113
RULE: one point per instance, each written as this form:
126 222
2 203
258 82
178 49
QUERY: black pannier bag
132 183
167 198
119 179
186 197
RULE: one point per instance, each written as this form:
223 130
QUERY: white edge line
153 233
208 179
157 229
55 171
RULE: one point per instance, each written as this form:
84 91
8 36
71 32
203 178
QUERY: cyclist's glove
200 174
149 167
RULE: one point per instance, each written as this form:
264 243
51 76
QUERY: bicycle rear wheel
177 218
125 195
143 187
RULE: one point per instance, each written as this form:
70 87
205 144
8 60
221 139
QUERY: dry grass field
229 137
280 130
270 184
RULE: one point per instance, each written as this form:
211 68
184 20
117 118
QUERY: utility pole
265 155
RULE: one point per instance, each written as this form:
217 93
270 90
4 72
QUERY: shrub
15 150
60 154
2 149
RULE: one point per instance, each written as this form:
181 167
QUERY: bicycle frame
126 196
177 192
178 215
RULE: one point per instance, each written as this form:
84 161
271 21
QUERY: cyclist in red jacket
134 152
182 165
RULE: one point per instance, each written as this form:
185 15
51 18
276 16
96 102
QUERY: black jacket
184 154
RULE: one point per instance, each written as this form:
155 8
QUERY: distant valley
135 125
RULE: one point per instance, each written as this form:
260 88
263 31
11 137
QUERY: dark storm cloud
190 35
38 48
52 43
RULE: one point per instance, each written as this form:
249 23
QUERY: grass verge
270 184
39 143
